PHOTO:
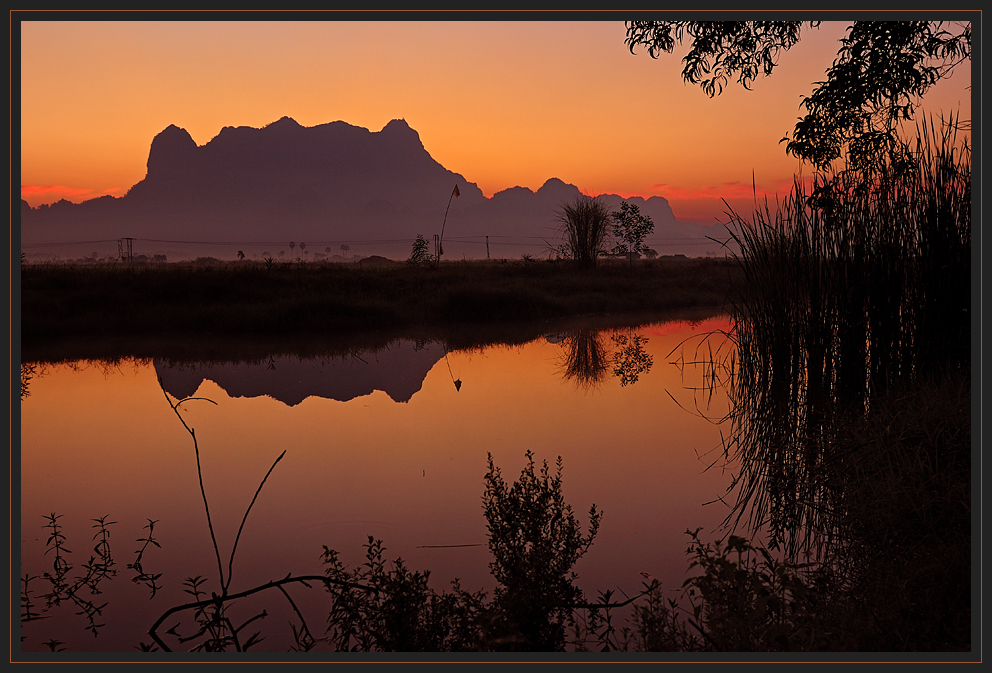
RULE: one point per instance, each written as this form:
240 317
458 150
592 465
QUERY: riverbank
62 304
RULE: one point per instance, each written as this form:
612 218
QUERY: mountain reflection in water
101 440
398 370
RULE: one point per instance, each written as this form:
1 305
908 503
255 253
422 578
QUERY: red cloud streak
37 195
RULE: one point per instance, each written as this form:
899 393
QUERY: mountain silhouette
257 189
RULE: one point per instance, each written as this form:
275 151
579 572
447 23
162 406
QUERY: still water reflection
391 443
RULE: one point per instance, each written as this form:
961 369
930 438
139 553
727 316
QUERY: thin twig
220 600
199 472
234 548
303 622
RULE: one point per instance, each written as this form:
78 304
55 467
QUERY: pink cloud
725 190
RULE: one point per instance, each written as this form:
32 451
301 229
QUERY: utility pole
125 249
487 247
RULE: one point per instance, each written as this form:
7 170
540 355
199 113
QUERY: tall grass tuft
584 224
854 288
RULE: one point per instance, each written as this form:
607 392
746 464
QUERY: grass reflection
585 360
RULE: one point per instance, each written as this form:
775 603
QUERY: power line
480 240
44 245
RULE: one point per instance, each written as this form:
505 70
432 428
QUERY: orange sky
504 103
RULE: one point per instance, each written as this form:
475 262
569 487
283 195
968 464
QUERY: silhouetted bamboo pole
440 244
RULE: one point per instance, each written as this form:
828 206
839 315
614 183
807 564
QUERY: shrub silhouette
419 254
535 541
392 609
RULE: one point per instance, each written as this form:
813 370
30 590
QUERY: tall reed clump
852 289
584 224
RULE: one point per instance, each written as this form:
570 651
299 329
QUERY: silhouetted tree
629 230
882 70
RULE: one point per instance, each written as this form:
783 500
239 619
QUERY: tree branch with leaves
881 73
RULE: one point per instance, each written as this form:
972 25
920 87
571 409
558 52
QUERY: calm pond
390 443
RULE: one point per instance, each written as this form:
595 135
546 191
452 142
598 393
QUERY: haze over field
333 187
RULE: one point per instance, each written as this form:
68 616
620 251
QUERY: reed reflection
855 293
850 390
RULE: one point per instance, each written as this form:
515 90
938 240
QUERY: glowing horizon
503 103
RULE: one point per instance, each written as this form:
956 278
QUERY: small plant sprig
60 566
141 577
27 605
54 645
212 620
593 626
102 565
63 589
98 568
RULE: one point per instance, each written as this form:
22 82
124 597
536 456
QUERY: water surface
390 443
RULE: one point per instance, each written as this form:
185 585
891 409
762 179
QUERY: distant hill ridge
331 185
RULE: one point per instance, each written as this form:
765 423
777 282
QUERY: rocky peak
399 133
171 148
284 123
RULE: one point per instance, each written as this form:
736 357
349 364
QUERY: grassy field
62 303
